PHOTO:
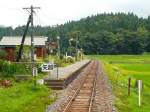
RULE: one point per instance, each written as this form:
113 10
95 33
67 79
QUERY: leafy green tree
110 33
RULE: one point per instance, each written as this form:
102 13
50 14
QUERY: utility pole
32 39
31 11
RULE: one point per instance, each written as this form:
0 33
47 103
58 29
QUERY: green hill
117 33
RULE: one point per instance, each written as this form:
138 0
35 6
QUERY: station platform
60 77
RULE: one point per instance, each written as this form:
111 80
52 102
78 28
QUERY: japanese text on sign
47 67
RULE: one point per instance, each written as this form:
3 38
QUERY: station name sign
47 67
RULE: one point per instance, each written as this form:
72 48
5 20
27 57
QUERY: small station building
9 43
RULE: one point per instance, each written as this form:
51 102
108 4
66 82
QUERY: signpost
34 73
139 91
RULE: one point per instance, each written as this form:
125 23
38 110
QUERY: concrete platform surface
65 72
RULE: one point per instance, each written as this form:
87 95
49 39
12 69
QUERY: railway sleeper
82 100
84 91
79 110
79 103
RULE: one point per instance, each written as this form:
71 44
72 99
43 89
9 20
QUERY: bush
39 68
3 54
70 60
61 56
22 68
58 62
10 69
1 65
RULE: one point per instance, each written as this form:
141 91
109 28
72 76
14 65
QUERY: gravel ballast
103 101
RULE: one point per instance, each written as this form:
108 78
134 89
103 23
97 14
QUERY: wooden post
129 86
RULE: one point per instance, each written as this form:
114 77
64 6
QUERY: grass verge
120 68
24 97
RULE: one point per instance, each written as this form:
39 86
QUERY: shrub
39 68
61 56
70 59
3 54
22 68
58 62
1 65
10 69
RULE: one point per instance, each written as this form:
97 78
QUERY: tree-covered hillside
118 33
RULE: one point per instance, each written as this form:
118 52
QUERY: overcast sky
54 12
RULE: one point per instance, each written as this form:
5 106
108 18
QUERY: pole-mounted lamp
58 53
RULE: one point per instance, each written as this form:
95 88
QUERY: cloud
61 11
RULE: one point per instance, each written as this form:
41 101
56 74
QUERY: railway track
82 99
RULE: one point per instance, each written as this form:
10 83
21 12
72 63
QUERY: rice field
119 69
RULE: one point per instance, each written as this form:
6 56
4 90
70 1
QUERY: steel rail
93 92
78 90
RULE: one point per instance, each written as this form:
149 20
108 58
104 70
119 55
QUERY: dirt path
103 98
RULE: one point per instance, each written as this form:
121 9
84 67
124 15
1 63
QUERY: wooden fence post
129 86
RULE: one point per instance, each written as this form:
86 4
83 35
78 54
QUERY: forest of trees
117 33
